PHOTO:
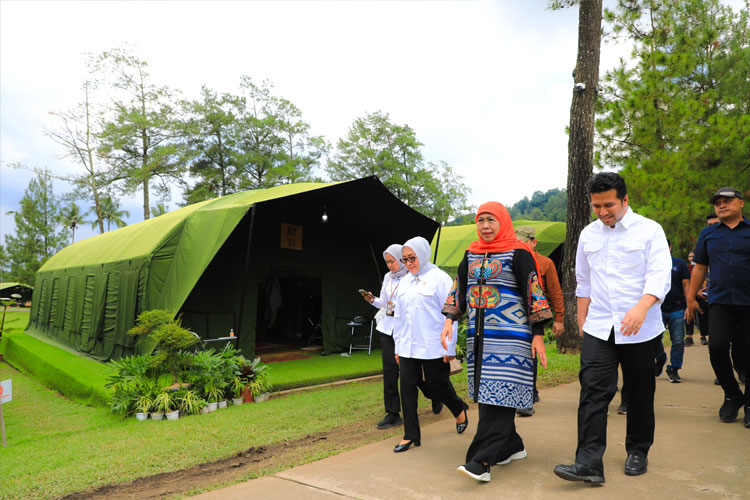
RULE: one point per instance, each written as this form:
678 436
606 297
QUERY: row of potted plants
175 381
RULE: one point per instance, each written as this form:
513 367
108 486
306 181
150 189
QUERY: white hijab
422 250
395 252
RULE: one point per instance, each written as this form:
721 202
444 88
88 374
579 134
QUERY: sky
485 85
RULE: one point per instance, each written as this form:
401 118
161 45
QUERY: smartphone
363 291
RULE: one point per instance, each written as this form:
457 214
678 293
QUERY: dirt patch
252 462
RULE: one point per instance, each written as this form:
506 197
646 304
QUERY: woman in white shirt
418 323
386 301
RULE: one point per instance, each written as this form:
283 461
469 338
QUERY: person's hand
692 309
447 334
558 328
447 359
633 320
538 349
397 359
369 297
702 293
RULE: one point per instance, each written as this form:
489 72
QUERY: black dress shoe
729 410
460 428
437 406
636 464
747 416
390 420
403 447
579 472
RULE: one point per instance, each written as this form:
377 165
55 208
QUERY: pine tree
37 237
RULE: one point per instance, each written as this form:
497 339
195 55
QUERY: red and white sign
6 391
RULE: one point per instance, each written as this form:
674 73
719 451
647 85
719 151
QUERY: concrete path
694 455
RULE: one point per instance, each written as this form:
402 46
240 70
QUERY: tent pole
245 272
437 245
375 260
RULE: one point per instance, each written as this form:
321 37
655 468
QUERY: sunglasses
408 259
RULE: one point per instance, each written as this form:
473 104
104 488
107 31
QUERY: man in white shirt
623 270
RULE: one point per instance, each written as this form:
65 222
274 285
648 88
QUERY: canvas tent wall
453 241
209 262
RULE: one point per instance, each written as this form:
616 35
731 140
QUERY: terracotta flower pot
247 395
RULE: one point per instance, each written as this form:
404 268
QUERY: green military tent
451 242
25 291
270 264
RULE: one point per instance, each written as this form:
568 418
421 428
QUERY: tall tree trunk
146 211
580 158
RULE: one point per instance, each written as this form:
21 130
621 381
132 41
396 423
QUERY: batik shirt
505 304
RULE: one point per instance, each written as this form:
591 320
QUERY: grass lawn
57 446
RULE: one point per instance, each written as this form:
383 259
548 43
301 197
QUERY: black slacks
598 377
390 374
730 324
391 396
496 438
437 376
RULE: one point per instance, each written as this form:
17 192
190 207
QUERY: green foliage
189 402
376 146
70 216
138 138
110 212
676 119
164 402
169 338
461 339
550 205
36 237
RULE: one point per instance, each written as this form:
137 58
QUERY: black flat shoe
636 465
579 472
403 447
437 406
460 428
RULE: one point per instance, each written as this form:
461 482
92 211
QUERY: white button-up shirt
418 318
617 266
387 293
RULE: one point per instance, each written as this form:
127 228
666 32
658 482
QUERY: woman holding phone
418 323
386 301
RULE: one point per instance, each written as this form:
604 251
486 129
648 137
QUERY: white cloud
485 85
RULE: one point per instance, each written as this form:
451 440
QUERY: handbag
455 366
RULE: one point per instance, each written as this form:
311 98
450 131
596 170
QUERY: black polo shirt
727 252
675 299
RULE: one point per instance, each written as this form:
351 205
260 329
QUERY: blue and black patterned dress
505 304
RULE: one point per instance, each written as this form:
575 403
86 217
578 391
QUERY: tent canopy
25 291
455 239
215 264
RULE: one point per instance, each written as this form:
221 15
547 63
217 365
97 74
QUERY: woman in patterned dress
498 288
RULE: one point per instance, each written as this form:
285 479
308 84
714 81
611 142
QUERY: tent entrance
289 311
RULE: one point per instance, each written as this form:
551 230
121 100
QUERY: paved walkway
694 455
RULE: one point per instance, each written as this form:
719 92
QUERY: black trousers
437 376
703 318
391 396
729 324
598 377
496 438
390 374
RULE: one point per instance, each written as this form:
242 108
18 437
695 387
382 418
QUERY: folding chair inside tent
358 324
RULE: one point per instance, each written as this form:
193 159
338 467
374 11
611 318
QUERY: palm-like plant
71 216
159 209
111 212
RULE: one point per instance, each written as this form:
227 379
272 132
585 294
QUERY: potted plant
189 402
261 384
238 387
165 402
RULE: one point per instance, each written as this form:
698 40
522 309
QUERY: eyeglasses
409 259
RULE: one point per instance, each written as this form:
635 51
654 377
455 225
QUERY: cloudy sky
486 85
